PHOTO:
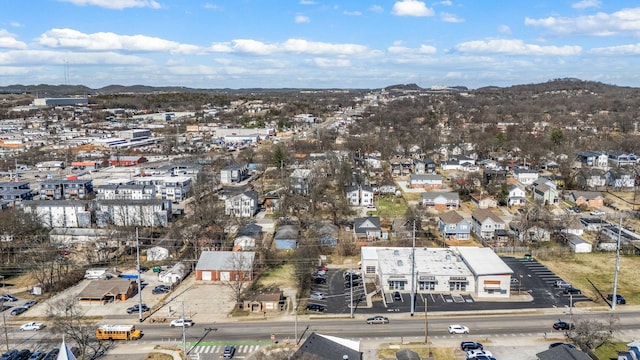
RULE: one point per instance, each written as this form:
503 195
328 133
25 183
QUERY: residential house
424 166
619 178
620 158
367 228
461 163
591 158
249 237
562 353
286 237
326 232
587 198
484 201
452 226
244 204
12 192
426 181
402 229
529 234
172 188
525 176
360 195
517 196
591 178
225 266
573 226
300 180
485 223
264 302
440 200
133 213
175 274
396 167
494 176
546 194
234 173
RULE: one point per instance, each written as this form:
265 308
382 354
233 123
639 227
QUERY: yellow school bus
118 332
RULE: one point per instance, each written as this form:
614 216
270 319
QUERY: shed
578 244
174 275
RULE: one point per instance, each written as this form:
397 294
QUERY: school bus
118 332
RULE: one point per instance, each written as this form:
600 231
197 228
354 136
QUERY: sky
318 44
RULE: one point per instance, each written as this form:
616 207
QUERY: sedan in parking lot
316 296
473 354
470 345
378 320
619 299
315 307
572 291
18 311
458 329
29 303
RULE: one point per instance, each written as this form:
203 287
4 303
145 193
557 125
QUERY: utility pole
138 278
4 324
614 300
413 269
351 287
184 332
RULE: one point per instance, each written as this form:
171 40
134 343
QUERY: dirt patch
282 276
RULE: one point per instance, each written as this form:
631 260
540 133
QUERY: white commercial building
457 270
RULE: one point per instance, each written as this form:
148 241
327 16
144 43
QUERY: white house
525 176
244 204
175 274
517 196
578 244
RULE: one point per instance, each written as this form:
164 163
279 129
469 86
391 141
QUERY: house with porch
452 226
425 181
586 198
485 223
440 200
367 228
516 196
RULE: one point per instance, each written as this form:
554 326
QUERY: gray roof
98 289
562 353
226 260
483 261
288 232
319 346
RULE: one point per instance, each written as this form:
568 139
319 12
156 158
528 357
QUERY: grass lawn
281 276
610 351
391 206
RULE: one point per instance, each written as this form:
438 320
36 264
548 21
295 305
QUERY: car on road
473 354
30 303
8 297
563 325
316 307
316 296
136 308
551 346
18 311
378 320
228 352
458 329
470 345
619 299
31 326
572 291
181 323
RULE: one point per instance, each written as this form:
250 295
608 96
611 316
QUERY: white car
597 213
182 322
458 329
31 326
316 296
472 354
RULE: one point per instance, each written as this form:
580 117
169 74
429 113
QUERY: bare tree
589 334
67 318
240 266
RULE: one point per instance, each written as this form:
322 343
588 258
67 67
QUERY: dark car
572 291
52 355
563 325
161 289
136 308
352 282
22 355
551 346
397 296
29 303
315 307
470 345
8 297
18 311
9 355
320 280
37 355
619 299
228 352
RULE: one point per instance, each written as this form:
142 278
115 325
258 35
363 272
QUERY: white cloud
9 41
352 13
451 18
423 49
211 6
600 24
104 41
620 50
376 9
586 4
411 8
505 29
444 3
117 4
515 47
49 57
301 19
299 46
307 2
15 24
323 62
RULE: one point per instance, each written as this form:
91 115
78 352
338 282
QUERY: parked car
161 289
562 284
18 311
22 355
315 307
320 280
619 299
597 213
316 296
378 320
458 329
397 296
572 291
52 355
30 303
8 297
357 282
561 344
228 352
563 325
31 326
136 308
470 345
473 354
483 357
37 355
182 323
9 355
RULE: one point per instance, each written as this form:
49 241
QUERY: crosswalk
212 349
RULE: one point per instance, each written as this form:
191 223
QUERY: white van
95 273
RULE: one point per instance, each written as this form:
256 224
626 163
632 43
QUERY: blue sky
317 43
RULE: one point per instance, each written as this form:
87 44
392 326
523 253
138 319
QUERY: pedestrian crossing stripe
220 348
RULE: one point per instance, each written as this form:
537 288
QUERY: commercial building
458 270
